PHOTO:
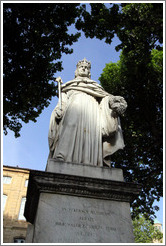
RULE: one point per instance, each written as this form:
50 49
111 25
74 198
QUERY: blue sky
31 149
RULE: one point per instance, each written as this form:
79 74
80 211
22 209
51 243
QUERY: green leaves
111 73
139 26
100 21
145 231
141 85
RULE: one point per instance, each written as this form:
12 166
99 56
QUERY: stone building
15 182
158 226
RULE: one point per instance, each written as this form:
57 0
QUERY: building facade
158 226
15 182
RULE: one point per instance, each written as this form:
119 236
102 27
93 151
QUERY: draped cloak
89 131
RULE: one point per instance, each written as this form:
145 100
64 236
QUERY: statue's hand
58 113
118 104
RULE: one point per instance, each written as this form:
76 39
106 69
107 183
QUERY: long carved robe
89 130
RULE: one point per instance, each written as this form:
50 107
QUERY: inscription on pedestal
86 220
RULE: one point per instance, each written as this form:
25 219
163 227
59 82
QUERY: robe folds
89 131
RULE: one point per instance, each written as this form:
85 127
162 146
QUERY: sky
31 149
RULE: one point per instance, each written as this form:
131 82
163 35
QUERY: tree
138 77
139 26
141 159
144 230
35 36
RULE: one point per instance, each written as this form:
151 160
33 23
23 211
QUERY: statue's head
83 69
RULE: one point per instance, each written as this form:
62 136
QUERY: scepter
59 80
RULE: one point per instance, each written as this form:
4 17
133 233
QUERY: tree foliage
139 26
145 231
141 159
35 36
138 78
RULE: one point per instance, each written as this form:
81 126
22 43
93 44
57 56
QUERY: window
21 213
7 179
26 183
4 201
19 240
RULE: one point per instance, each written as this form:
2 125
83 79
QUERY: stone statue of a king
85 128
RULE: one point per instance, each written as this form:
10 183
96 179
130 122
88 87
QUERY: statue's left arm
111 108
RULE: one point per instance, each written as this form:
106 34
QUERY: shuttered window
21 213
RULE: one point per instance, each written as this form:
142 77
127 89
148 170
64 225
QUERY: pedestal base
65 208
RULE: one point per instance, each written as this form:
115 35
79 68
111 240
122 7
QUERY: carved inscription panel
71 219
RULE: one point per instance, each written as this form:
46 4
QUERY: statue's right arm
56 116
59 110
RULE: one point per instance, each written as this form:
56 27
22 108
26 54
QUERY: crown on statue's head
84 61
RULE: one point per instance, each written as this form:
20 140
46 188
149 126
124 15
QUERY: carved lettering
58 223
108 228
87 219
95 227
80 233
85 211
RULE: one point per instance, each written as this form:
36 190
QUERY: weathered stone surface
84 170
29 235
67 208
71 219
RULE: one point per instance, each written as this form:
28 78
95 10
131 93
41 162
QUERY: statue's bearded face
83 70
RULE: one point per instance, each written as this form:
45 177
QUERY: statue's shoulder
75 81
96 84
69 83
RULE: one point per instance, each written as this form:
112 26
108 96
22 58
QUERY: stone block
84 170
29 235
66 208
72 219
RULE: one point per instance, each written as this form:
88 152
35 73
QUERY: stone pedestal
73 203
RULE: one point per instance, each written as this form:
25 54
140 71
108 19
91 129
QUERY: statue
85 126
